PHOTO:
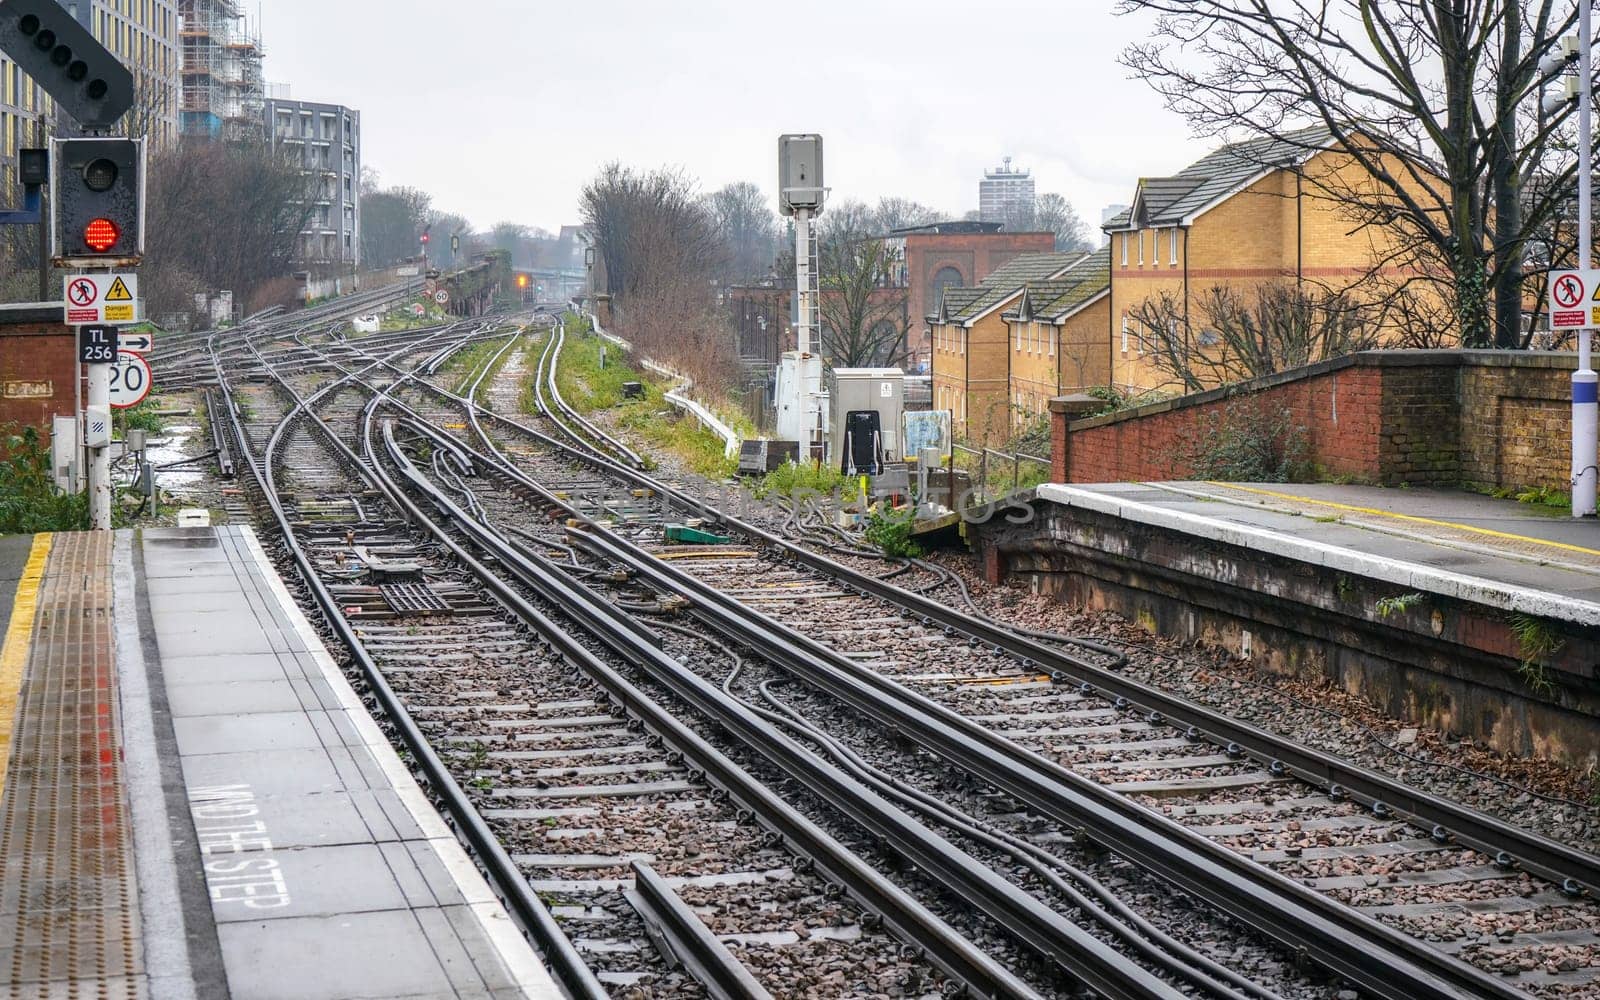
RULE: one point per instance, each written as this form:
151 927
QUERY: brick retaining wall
38 364
1488 419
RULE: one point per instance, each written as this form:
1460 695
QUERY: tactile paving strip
68 910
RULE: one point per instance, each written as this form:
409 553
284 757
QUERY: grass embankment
589 387
464 364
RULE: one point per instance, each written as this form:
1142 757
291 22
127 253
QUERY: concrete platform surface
1497 552
281 849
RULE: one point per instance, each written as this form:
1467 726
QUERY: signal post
98 199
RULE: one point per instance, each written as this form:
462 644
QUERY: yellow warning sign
119 314
118 292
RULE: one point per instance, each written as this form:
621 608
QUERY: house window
1055 334
1124 249
1124 333
1209 338
1018 330
1141 247
1174 242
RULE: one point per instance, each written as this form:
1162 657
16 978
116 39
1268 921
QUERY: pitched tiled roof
953 300
1053 299
1089 279
1007 279
1167 201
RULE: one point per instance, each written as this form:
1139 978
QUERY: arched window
945 277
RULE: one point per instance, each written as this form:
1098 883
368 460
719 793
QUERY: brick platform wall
37 368
1488 419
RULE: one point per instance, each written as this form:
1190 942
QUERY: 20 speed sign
130 380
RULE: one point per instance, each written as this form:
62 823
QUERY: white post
1584 410
99 457
802 279
805 324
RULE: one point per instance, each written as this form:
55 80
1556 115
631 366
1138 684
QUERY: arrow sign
138 343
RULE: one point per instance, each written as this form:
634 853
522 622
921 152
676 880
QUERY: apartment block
325 139
223 88
1006 195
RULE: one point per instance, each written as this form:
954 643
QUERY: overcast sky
503 109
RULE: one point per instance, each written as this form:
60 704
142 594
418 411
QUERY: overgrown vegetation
1115 399
28 499
1536 644
143 417
1245 442
803 479
588 386
1544 496
1399 604
890 530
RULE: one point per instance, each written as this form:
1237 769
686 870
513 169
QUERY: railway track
569 790
1057 765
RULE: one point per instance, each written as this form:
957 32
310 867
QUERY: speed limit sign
130 380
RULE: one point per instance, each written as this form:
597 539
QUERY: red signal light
424 237
101 235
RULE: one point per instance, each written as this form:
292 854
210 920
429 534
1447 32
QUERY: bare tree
1054 214
748 226
893 213
863 308
1244 335
221 215
661 249
1434 100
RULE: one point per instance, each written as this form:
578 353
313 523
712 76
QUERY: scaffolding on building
224 91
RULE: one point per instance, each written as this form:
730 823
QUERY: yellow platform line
19 636
1410 517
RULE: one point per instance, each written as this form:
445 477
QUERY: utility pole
801 403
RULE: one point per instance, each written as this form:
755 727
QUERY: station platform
1468 613
1466 545
196 804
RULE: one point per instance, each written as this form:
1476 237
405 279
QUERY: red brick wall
1425 417
975 255
37 366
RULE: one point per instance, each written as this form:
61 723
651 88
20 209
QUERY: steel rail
1381 960
958 957
1280 754
575 977
611 444
1573 870
685 937
1092 961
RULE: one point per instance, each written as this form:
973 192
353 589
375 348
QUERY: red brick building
38 367
954 253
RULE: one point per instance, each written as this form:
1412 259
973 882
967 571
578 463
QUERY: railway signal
46 42
99 195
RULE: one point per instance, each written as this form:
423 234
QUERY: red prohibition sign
1568 291
82 292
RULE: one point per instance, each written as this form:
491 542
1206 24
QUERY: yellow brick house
1058 337
972 345
1246 214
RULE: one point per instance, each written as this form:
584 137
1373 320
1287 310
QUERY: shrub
1245 442
28 498
890 530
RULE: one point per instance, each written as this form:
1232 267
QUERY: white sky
503 109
